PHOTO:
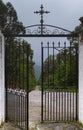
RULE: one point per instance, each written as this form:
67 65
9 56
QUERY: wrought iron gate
59 77
59 82
17 80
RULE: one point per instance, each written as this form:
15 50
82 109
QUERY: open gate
59 76
17 83
59 81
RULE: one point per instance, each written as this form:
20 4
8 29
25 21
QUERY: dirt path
35 106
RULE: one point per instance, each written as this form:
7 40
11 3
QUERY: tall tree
16 49
3 15
13 24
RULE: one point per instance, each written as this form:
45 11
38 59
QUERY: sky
63 13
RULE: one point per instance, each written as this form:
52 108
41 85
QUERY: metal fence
17 83
59 81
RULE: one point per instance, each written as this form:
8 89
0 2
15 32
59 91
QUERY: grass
59 89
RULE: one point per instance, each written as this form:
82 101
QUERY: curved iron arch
44 31
37 29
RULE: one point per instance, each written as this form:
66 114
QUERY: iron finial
41 12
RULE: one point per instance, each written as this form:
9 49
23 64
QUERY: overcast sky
63 13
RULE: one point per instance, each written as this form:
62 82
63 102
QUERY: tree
16 50
13 25
9 20
17 65
60 70
3 14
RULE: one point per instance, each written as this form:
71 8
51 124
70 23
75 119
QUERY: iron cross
41 12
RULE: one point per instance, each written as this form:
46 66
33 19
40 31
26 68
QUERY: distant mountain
37 69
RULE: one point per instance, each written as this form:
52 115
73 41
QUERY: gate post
2 79
81 74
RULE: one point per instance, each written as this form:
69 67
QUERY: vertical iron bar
45 106
62 105
42 82
19 84
23 100
56 105
59 100
27 89
67 106
44 116
11 64
73 104
59 105
9 75
65 80
13 47
68 100
48 80
73 90
20 87
50 100
53 86
14 54
70 79
59 79
13 69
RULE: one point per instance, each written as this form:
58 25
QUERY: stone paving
45 126
58 126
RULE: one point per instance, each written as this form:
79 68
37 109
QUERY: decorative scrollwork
46 29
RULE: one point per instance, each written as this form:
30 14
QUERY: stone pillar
2 79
